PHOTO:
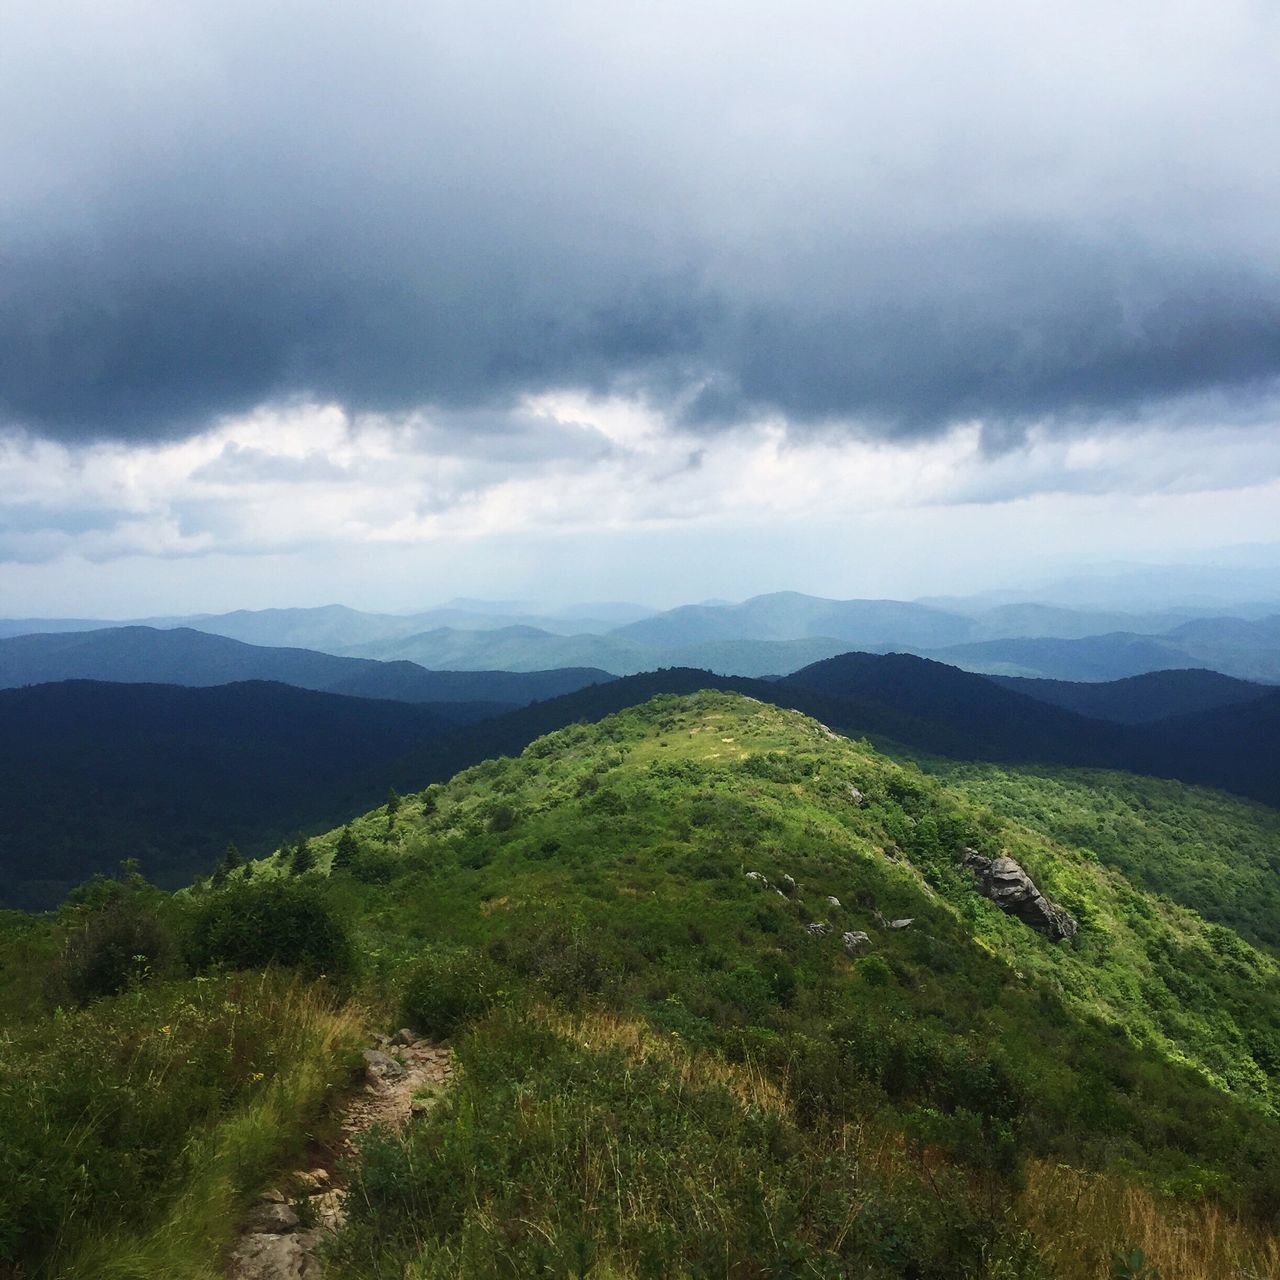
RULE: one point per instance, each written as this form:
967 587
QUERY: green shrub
375 866
121 943
286 922
448 989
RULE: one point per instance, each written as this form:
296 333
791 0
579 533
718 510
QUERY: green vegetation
661 1069
1211 852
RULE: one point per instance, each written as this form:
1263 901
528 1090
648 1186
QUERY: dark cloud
901 220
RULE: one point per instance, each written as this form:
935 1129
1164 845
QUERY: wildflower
166 1030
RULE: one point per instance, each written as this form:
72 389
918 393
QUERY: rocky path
276 1241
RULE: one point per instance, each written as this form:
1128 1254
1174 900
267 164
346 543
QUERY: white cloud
304 477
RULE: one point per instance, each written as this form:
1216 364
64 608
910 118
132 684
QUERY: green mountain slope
608 863
667 1066
1214 853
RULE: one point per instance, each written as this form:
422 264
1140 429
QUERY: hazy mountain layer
1010 638
187 657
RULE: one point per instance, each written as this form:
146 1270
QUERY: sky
387 304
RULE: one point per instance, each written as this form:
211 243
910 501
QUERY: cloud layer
308 481
882 219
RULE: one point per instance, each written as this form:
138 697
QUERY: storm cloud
890 219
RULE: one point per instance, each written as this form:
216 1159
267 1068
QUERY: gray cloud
902 219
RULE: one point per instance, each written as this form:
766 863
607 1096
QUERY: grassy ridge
605 866
663 1071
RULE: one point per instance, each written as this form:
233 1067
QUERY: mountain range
767 635
183 656
129 750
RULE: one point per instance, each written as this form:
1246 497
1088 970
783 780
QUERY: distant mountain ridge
1156 695
767 635
182 656
168 773
1246 649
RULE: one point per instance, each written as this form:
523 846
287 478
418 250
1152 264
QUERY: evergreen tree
303 858
230 863
393 802
345 853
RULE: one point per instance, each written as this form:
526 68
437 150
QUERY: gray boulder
855 796
904 923
833 901
1003 880
756 878
277 1257
271 1218
852 939
818 929
787 883
380 1066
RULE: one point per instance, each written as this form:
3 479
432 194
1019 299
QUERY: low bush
446 989
120 944
284 922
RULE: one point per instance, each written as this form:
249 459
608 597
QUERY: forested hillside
1211 852
93 773
213 778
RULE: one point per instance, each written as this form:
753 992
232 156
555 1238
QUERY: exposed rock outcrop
852 939
1007 885
818 929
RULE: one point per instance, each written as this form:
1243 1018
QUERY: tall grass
137 1129
1083 1220
578 1144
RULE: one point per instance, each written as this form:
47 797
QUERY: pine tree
303 858
345 853
393 802
230 864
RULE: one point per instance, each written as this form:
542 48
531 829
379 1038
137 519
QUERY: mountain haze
183 656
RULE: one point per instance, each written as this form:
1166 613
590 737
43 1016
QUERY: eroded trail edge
275 1242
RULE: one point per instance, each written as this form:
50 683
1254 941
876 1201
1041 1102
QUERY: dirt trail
274 1244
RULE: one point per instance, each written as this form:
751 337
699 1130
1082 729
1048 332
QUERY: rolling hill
1139 699
1248 650
1109 657
184 656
